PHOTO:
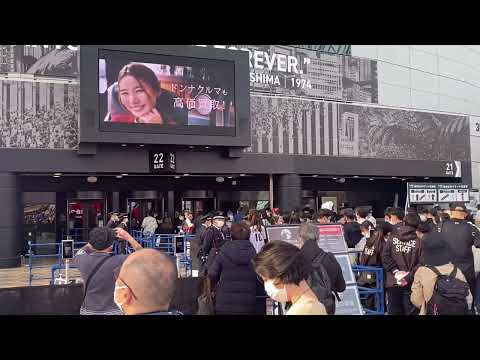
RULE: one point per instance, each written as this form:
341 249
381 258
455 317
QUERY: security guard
461 236
196 244
213 240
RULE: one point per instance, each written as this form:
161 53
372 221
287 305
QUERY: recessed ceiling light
404 179
242 174
92 179
314 176
219 179
119 176
191 147
356 176
57 174
124 174
177 176
186 174
230 177
124 145
426 178
207 147
334 178
141 145
370 179
394 177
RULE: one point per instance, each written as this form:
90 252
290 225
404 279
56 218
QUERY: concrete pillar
288 192
171 204
10 221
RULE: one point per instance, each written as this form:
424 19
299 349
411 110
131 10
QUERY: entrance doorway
138 209
198 206
83 216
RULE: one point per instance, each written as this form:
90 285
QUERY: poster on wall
312 73
319 128
46 60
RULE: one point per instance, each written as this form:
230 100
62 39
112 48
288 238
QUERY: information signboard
426 193
422 193
350 302
331 237
344 261
162 162
453 192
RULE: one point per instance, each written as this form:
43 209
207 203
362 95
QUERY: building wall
442 78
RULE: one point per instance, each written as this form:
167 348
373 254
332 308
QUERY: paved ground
18 277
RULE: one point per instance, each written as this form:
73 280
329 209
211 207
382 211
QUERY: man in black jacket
196 244
308 238
351 228
395 215
461 236
214 238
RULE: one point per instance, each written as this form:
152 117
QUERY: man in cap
146 284
196 244
214 238
461 236
97 264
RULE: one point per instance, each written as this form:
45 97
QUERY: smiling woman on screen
140 94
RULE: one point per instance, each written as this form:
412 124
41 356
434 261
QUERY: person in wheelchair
137 97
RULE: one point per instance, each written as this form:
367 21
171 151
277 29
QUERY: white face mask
275 293
119 304
423 217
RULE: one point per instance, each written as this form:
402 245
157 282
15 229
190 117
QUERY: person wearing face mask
214 238
284 271
96 263
146 284
427 217
365 228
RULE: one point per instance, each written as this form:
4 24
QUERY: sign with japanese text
427 193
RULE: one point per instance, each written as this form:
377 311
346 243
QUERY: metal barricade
378 291
34 257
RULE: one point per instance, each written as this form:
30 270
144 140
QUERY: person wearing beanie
436 253
97 265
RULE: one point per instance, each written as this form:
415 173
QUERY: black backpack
449 295
320 283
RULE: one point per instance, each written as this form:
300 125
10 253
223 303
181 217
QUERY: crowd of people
426 256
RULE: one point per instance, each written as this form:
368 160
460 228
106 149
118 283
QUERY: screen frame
94 130
65 244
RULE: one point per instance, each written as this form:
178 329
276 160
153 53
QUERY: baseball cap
101 238
458 206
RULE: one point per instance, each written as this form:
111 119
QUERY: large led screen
166 94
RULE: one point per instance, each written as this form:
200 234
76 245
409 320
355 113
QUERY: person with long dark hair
138 92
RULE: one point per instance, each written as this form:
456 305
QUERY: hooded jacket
402 251
236 281
372 252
